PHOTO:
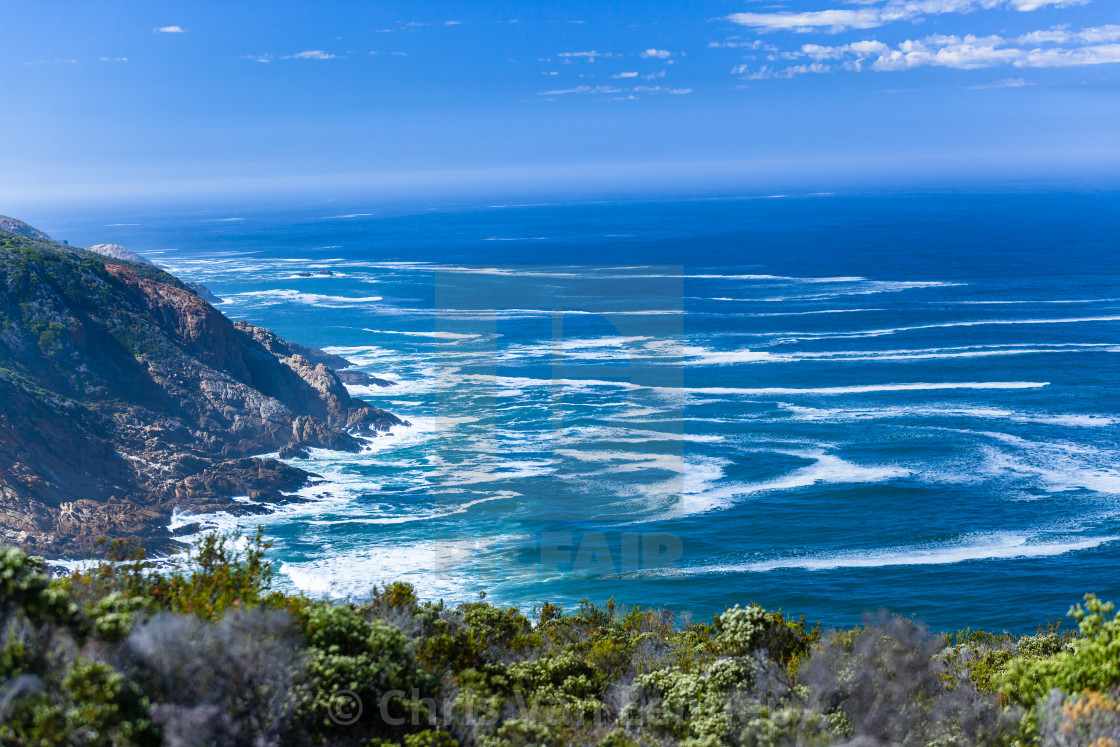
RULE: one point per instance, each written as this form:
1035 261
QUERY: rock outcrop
125 395
116 251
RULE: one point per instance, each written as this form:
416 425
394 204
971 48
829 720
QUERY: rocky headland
124 395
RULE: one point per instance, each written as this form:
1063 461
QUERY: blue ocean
828 403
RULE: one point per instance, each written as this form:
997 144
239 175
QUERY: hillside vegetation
210 654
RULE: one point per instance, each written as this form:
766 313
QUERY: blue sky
126 99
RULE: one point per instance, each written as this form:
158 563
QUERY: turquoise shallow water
827 403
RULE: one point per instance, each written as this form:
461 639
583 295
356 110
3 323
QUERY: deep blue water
825 403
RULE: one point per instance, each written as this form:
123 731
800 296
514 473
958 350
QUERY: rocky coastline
125 395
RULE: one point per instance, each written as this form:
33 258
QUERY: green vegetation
51 291
208 653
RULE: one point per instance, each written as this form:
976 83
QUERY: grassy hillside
210 654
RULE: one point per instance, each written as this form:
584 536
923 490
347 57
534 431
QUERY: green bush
206 652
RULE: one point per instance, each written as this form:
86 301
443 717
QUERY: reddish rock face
124 395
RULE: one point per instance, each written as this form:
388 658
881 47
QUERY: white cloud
972 52
112 59
660 54
589 56
452 23
625 75
1096 55
875 14
766 72
827 20
311 54
659 89
1062 35
171 30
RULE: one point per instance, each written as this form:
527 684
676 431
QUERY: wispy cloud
625 75
565 91
112 59
581 89
1005 83
66 61
589 56
171 30
767 72
452 23
311 54
755 44
660 54
874 15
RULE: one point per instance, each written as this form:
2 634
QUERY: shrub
1087 719
207 653
25 588
93 704
219 576
1090 662
238 679
370 659
892 687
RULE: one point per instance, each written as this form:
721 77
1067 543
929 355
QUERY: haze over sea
835 402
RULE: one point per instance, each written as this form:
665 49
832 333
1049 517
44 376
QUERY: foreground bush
210 654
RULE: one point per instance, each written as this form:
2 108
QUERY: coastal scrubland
207 651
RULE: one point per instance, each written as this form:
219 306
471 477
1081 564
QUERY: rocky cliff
124 394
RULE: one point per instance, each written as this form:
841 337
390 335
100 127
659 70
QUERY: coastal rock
124 395
116 251
329 360
294 451
361 378
204 293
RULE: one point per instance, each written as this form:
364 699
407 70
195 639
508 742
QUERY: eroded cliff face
124 395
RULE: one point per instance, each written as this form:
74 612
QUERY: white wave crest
868 388
995 547
287 295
